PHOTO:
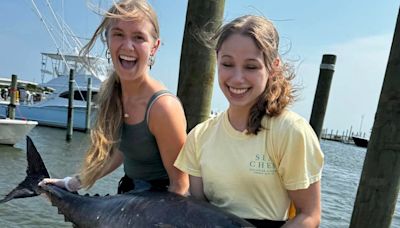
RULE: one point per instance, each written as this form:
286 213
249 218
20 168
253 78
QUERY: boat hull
52 116
12 131
361 142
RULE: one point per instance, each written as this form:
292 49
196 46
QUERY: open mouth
238 91
127 62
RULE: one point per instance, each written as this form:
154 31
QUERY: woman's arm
168 124
73 183
196 188
308 206
117 158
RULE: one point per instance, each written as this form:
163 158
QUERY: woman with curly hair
257 157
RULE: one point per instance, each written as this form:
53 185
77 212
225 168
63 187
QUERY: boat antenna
50 33
59 25
63 27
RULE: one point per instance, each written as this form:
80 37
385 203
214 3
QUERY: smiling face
131 43
242 74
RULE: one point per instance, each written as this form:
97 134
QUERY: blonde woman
139 123
257 157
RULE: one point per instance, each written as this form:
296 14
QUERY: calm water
339 185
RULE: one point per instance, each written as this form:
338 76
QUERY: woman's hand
71 184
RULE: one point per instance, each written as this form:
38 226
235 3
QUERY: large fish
138 209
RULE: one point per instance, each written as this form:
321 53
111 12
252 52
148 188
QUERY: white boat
52 109
11 131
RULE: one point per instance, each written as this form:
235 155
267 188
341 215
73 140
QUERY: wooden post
322 93
380 179
197 64
70 120
13 97
88 104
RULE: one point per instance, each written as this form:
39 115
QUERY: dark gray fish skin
138 209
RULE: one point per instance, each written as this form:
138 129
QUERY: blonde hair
279 91
105 133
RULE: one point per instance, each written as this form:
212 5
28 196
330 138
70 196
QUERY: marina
47 102
340 179
347 137
51 109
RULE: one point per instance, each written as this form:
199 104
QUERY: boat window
78 96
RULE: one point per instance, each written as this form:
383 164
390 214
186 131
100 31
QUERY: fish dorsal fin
35 161
35 171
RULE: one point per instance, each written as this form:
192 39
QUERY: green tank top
142 159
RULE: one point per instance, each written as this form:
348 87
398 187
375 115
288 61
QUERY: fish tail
35 172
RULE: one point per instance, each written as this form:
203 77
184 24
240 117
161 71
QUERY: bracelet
66 182
71 188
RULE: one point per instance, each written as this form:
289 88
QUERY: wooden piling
88 104
197 64
70 117
380 179
327 69
13 97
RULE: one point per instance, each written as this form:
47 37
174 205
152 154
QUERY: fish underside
146 208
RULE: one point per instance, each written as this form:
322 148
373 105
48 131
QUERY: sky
358 32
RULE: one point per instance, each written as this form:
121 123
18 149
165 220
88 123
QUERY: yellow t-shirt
238 170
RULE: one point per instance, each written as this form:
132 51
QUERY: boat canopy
62 63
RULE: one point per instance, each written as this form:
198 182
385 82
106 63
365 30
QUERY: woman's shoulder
164 107
290 116
159 94
290 126
164 100
287 119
